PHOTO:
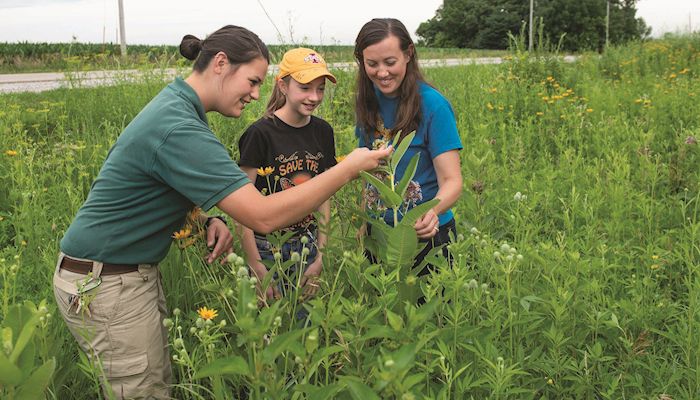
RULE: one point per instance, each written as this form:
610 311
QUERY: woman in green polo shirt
164 163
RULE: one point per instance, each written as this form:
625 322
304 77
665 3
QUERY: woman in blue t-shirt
392 96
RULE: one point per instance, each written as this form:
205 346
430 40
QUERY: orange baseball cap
304 65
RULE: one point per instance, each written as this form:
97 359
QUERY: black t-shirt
286 156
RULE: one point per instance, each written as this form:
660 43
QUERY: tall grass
575 275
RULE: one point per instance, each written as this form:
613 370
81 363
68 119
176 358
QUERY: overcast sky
309 21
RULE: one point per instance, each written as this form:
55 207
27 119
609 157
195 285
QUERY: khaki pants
124 335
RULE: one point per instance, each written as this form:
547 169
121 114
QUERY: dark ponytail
239 44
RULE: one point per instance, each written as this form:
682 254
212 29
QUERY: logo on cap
312 58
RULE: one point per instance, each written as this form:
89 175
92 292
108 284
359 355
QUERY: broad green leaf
378 331
281 343
405 356
358 389
10 375
24 336
408 175
394 320
418 211
319 392
388 196
401 245
233 365
35 386
401 149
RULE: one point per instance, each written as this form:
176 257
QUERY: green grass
24 57
603 305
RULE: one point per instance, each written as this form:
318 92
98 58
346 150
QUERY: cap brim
308 75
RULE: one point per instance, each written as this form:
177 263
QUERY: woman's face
241 86
385 64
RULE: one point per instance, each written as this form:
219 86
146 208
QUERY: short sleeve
251 147
442 130
194 162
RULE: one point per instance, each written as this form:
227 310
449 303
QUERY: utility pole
532 6
607 25
122 34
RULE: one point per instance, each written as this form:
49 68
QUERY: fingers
222 240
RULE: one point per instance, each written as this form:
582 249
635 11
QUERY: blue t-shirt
436 134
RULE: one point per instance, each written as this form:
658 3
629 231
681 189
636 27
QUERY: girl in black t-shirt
285 148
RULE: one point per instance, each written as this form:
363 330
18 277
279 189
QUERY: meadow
576 270
25 57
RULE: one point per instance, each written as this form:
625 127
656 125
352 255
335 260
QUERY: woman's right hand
364 159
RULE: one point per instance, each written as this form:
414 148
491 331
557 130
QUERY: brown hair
408 114
239 44
277 98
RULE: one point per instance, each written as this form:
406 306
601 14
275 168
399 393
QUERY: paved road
39 82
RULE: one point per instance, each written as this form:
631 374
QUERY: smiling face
302 99
385 64
240 86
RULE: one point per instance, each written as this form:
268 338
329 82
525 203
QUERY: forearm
448 194
266 214
325 214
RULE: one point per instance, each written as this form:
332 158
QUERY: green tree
485 23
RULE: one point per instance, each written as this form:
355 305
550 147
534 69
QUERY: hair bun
190 47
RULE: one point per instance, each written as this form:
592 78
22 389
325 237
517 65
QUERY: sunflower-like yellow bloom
11 153
265 171
182 233
207 313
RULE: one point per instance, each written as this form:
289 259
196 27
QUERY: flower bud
295 257
305 251
168 323
304 239
176 312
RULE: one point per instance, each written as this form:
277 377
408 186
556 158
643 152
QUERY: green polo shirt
165 162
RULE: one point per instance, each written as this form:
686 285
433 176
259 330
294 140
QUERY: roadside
42 81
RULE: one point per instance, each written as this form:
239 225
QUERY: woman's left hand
310 279
428 225
220 239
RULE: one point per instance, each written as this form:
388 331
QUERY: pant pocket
121 366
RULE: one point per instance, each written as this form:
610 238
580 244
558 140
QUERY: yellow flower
493 90
589 110
340 158
182 233
654 266
654 257
10 153
207 313
489 106
265 171
539 113
672 76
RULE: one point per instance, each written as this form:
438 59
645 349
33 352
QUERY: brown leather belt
85 267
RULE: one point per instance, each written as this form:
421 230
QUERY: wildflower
207 313
493 90
414 194
672 76
473 284
340 158
691 140
489 106
265 171
589 110
550 381
10 153
654 257
654 267
539 113
182 233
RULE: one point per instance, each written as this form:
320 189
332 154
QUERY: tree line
485 24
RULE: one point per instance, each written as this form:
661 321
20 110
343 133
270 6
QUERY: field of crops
41 57
576 273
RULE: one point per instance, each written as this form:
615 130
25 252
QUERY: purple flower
691 140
